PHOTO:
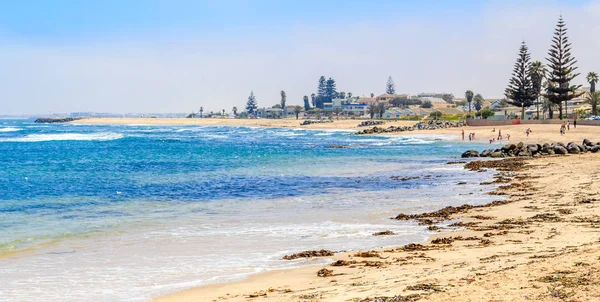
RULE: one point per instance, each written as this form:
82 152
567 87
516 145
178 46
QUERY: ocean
127 213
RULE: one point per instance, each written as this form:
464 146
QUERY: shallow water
126 213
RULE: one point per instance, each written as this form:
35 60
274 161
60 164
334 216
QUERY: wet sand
542 245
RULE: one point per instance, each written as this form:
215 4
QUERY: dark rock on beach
470 153
54 120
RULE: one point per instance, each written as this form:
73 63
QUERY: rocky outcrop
370 123
534 150
310 122
55 120
429 125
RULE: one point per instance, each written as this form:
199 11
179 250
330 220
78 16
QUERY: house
392 113
269 112
367 101
386 97
355 109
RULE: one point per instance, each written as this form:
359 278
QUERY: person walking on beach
508 136
575 123
463 135
499 134
528 131
568 125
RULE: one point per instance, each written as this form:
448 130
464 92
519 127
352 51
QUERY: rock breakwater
429 125
534 150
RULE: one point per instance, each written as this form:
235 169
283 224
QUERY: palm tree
234 110
373 110
297 110
593 98
537 72
592 78
201 110
283 100
469 96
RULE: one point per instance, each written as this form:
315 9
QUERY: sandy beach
542 245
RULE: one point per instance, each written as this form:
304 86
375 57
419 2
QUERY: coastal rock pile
310 122
534 150
429 125
370 123
54 120
309 254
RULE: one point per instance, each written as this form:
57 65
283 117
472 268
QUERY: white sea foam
108 136
10 129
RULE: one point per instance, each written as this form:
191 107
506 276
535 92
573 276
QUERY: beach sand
544 245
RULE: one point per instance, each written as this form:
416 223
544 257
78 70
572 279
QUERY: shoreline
454 265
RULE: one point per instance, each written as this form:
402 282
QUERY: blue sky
175 56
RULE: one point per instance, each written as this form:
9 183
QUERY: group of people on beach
471 136
567 126
493 139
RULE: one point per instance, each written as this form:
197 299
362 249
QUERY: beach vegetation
426 104
592 78
342 95
478 100
593 98
537 72
283 100
561 70
306 103
404 101
469 97
372 110
485 113
380 109
520 91
390 87
251 104
297 110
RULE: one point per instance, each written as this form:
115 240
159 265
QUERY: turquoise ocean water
126 213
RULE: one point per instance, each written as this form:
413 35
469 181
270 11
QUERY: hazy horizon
175 56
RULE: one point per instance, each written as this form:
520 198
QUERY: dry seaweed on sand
384 233
425 287
309 254
325 272
367 254
343 263
408 298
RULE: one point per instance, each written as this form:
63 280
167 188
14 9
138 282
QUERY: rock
497 154
487 153
533 148
520 145
595 148
560 149
509 147
573 150
470 153
587 142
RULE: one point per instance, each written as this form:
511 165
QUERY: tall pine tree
283 100
390 88
321 92
520 91
331 91
251 103
561 70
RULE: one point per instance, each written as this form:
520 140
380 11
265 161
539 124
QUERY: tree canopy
390 88
520 90
562 69
251 104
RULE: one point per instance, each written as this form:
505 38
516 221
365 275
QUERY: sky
178 55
